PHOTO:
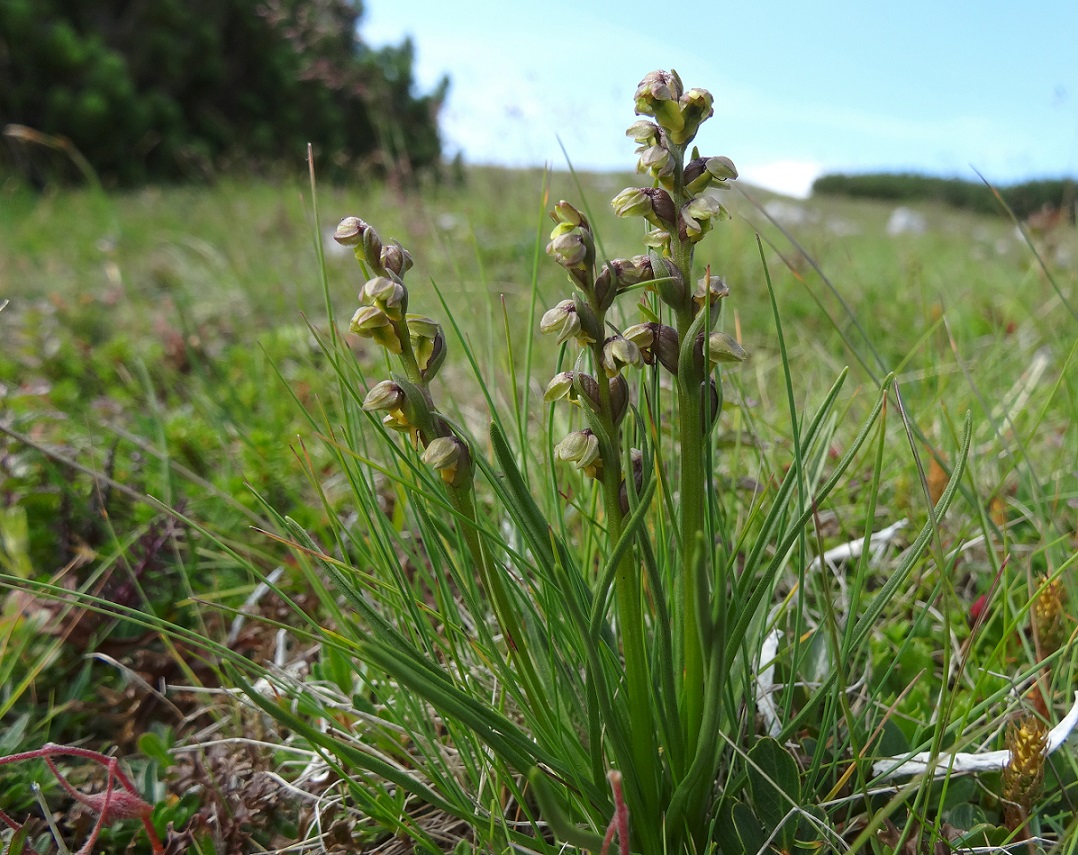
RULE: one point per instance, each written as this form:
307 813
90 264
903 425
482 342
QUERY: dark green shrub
167 89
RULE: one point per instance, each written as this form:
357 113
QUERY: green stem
628 596
692 447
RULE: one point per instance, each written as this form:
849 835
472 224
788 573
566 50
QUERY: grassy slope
169 314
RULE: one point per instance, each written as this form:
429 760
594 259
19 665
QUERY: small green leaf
775 787
739 829
153 746
18 841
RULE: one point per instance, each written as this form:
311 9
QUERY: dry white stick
846 551
765 683
261 589
962 763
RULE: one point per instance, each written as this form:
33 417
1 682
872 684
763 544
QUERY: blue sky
800 87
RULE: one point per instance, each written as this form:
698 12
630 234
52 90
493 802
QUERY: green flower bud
373 322
721 168
386 395
561 321
723 348
428 344
618 352
581 448
642 335
659 240
385 293
697 217
669 283
450 457
570 250
655 159
709 289
644 133
656 341
695 107
560 386
565 213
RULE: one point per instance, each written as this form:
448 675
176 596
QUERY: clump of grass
616 617
516 630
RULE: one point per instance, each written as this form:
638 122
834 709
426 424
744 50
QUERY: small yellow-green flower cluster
419 344
1024 774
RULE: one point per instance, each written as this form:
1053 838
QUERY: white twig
765 683
846 551
261 589
963 763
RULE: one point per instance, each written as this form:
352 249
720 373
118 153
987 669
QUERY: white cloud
789 177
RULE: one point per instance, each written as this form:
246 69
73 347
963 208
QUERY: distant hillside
1024 199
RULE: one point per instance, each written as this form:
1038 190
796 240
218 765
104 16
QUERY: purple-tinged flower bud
618 352
396 259
657 95
704 171
605 287
561 321
652 203
350 231
632 271
619 398
636 462
364 240
386 395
